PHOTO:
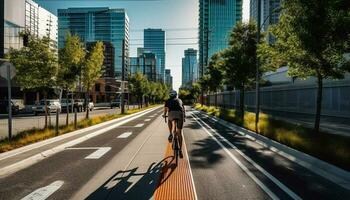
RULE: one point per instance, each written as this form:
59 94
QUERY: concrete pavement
133 161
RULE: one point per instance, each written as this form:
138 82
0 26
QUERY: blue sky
179 18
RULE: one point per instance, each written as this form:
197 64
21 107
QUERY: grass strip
331 148
35 135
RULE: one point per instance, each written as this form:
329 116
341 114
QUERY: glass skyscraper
98 24
154 41
189 67
269 13
216 20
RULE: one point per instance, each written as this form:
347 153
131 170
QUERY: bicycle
175 143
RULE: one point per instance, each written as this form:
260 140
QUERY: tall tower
216 20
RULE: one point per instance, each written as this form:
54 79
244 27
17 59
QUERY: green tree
70 59
195 90
311 39
215 74
91 71
138 86
240 59
36 66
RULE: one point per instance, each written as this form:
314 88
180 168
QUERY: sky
179 19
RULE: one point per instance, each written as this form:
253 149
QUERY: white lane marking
272 178
139 125
188 161
100 151
44 192
147 120
125 135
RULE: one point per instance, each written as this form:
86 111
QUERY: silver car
53 105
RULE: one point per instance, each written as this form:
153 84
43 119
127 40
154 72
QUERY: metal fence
300 98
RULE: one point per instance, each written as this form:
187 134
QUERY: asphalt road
28 121
223 165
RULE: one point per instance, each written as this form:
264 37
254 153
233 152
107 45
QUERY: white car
53 105
91 106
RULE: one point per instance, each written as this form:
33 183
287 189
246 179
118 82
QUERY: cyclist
175 110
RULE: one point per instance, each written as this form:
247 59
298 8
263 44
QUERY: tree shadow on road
131 184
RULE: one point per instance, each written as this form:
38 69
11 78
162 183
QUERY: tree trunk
241 103
318 103
45 102
67 109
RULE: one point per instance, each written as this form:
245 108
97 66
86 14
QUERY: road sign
3 70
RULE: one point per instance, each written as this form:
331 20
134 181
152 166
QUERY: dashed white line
125 135
147 120
139 125
100 151
243 167
44 192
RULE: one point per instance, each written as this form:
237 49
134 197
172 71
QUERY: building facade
17 16
146 64
189 68
168 78
98 24
216 20
154 41
269 13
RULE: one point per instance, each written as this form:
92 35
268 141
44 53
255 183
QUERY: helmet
173 94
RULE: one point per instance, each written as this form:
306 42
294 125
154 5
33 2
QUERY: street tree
91 70
312 38
70 59
138 87
36 65
240 59
215 74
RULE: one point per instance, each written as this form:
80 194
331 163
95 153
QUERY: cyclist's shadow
128 184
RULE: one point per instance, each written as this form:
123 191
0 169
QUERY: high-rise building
146 64
189 68
154 41
168 78
216 20
98 24
269 13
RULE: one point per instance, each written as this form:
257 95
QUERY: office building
216 20
189 68
98 24
269 13
154 41
146 64
17 16
168 78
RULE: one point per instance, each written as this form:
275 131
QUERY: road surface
131 159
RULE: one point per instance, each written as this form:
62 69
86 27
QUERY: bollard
75 118
57 120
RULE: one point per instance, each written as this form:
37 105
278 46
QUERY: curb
328 171
40 156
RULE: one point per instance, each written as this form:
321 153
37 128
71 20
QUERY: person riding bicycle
175 110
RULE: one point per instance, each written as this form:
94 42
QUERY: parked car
53 105
91 106
79 104
65 103
4 107
115 104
